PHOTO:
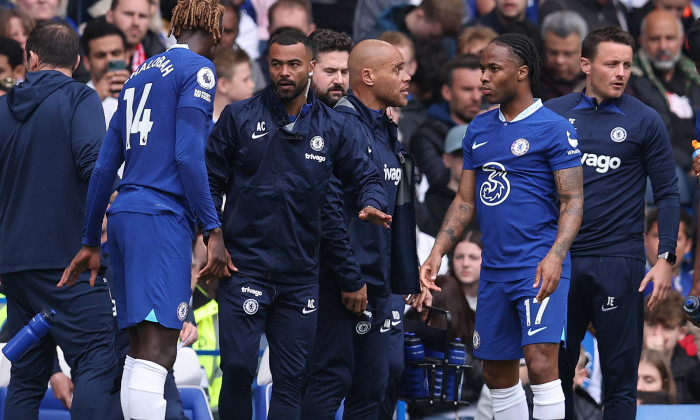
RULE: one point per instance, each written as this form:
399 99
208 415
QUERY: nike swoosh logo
395 323
604 309
257 136
477 145
531 332
383 330
307 311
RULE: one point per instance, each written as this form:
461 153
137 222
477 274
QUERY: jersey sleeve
563 152
467 142
198 87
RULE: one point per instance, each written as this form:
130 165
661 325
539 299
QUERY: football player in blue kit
272 156
623 142
158 131
519 161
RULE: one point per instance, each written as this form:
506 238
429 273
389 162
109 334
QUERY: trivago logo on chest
601 163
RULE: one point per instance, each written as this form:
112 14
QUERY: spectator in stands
331 77
597 13
473 39
664 325
41 10
16 24
680 8
431 19
132 18
233 79
461 91
509 17
424 89
465 264
666 80
431 211
365 18
655 381
682 278
585 405
286 14
562 34
11 64
104 46
231 36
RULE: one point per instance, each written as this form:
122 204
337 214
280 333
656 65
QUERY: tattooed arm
458 216
569 184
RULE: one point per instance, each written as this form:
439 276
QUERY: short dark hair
55 43
229 4
99 28
460 61
290 36
326 40
589 47
668 311
522 47
12 50
653 217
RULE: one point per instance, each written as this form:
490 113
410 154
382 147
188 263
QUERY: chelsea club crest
317 143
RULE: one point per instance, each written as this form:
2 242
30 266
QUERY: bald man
666 80
350 358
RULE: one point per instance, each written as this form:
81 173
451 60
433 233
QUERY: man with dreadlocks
623 142
518 161
158 131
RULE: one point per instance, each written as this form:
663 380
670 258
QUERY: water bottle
28 336
436 374
696 147
458 356
414 352
691 306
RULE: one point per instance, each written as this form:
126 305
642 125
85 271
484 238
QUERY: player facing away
158 131
518 161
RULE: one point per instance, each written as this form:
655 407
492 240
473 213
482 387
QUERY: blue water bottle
28 336
458 356
436 374
691 306
414 352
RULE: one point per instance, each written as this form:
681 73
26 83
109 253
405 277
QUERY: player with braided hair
518 160
158 132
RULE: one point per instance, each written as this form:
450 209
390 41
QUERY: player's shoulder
564 103
484 121
547 117
633 107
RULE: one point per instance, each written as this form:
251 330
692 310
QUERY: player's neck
294 105
515 106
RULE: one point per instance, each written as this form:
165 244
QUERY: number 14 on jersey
142 123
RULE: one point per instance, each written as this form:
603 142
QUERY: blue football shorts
507 318
151 257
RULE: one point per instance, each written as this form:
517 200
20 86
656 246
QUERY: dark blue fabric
86 337
275 177
614 308
50 136
615 173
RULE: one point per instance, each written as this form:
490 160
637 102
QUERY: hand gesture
87 258
660 274
375 216
219 262
429 271
548 274
355 302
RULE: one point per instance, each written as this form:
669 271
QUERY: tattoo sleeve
457 218
569 183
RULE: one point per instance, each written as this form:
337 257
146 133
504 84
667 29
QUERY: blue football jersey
515 193
146 120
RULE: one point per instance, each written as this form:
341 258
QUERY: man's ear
33 61
77 62
585 65
367 77
523 72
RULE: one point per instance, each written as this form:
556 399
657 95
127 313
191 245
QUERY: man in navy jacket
50 134
273 156
622 142
351 357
